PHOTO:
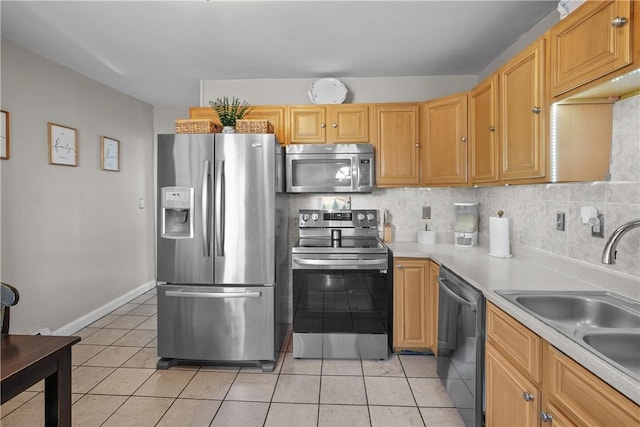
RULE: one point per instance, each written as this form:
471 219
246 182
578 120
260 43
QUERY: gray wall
538 30
73 238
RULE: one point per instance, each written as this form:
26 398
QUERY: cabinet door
395 137
444 137
308 125
348 123
522 112
521 346
581 396
275 115
203 113
558 419
591 42
434 270
484 149
511 399
411 303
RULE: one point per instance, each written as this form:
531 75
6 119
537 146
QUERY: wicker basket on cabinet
253 126
196 126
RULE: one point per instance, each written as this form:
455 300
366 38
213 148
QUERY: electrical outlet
560 221
426 212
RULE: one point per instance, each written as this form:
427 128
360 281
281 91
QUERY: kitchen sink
580 310
604 323
621 347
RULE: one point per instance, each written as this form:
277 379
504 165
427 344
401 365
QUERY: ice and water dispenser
177 212
465 229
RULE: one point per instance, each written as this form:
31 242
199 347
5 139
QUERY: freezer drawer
216 323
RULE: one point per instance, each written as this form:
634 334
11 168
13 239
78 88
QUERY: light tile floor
115 383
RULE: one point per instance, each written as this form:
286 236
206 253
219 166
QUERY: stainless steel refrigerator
222 259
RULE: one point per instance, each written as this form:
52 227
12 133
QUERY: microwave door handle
219 208
355 172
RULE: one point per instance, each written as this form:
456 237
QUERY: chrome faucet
609 253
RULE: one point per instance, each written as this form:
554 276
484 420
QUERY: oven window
322 172
340 301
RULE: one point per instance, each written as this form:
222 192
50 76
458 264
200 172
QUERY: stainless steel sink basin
580 310
621 347
604 323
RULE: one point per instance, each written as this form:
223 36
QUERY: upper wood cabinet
523 110
591 42
274 114
484 141
394 134
330 124
444 141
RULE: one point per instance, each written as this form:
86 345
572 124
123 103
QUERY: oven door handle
472 306
341 262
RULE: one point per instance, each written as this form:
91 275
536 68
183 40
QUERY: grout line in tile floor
115 383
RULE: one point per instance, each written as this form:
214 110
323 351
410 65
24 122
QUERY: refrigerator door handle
206 234
219 208
185 294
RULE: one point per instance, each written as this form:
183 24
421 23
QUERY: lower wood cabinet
415 304
512 398
512 371
530 383
572 394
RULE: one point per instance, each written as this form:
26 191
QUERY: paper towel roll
499 237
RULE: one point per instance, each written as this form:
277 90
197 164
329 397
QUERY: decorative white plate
327 91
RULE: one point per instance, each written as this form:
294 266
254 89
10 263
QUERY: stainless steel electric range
342 286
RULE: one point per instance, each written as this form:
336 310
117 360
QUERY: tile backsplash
532 208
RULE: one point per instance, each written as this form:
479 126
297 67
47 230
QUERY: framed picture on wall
109 154
5 136
63 145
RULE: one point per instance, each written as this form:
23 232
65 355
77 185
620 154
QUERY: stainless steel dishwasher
460 357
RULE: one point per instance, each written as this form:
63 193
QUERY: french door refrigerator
222 259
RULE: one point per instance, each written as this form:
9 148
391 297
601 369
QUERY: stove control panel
355 218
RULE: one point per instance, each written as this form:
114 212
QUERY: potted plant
229 111
426 237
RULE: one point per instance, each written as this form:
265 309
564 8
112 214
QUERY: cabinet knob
418 145
323 125
463 139
334 125
492 128
527 396
619 21
536 110
545 417
399 266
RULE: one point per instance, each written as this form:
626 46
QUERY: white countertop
526 272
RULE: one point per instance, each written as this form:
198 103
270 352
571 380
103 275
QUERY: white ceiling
158 51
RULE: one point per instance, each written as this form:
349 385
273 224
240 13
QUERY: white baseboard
74 326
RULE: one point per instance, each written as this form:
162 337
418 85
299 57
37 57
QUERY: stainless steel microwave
329 168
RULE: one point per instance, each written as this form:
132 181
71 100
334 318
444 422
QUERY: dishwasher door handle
472 305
